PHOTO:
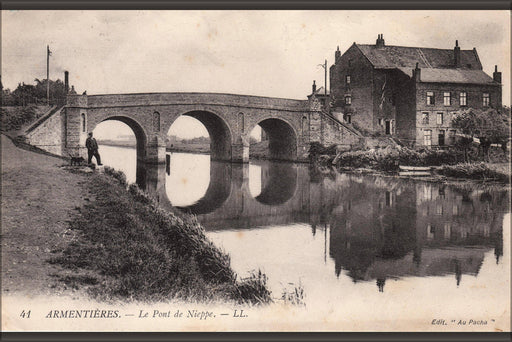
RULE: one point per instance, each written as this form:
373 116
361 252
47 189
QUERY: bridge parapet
77 101
227 100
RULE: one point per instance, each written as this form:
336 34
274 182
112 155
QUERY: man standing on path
92 149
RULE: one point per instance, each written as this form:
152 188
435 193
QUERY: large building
409 93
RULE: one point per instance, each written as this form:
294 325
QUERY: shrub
473 171
389 158
119 175
15 118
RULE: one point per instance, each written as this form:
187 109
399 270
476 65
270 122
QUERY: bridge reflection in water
376 227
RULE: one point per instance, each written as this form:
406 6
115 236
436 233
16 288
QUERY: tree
26 94
490 126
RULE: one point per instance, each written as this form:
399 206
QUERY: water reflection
388 228
373 228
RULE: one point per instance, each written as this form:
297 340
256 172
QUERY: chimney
416 73
314 87
380 41
66 81
456 54
337 54
496 75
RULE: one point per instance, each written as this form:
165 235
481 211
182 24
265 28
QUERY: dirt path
38 199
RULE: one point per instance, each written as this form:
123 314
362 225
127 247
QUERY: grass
449 162
138 251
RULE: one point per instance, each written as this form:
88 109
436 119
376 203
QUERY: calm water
364 241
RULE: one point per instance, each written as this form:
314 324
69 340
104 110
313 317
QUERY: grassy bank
479 171
129 248
449 162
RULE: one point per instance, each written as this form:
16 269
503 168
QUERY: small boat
415 168
415 173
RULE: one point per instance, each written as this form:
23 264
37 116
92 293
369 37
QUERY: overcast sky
268 53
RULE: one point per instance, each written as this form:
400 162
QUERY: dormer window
347 79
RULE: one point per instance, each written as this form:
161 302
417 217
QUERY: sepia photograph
255 171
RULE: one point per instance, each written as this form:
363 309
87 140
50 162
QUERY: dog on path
77 160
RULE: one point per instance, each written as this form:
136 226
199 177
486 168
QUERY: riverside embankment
443 163
66 231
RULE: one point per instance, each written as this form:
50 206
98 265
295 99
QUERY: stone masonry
291 125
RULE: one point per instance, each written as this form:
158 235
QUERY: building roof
390 57
431 75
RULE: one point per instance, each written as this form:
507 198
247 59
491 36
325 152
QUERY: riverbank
257 150
440 163
67 231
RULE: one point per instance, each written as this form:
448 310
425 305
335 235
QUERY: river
363 242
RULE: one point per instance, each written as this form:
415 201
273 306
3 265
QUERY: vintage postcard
287 171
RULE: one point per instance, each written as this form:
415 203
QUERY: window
455 209
447 230
430 98
241 122
424 118
83 123
427 137
380 122
348 99
389 199
350 62
486 100
463 98
156 122
430 231
439 209
447 99
347 79
349 118
441 138
439 118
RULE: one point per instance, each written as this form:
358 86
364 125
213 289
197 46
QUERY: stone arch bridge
290 125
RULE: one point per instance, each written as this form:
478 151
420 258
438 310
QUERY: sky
266 53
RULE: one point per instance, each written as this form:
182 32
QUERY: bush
14 118
119 175
473 171
389 158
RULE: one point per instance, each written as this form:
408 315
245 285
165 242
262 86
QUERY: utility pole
325 101
48 54
325 80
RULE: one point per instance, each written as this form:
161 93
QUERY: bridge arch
282 138
139 131
219 130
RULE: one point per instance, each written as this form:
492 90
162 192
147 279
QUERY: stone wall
353 63
328 131
49 133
